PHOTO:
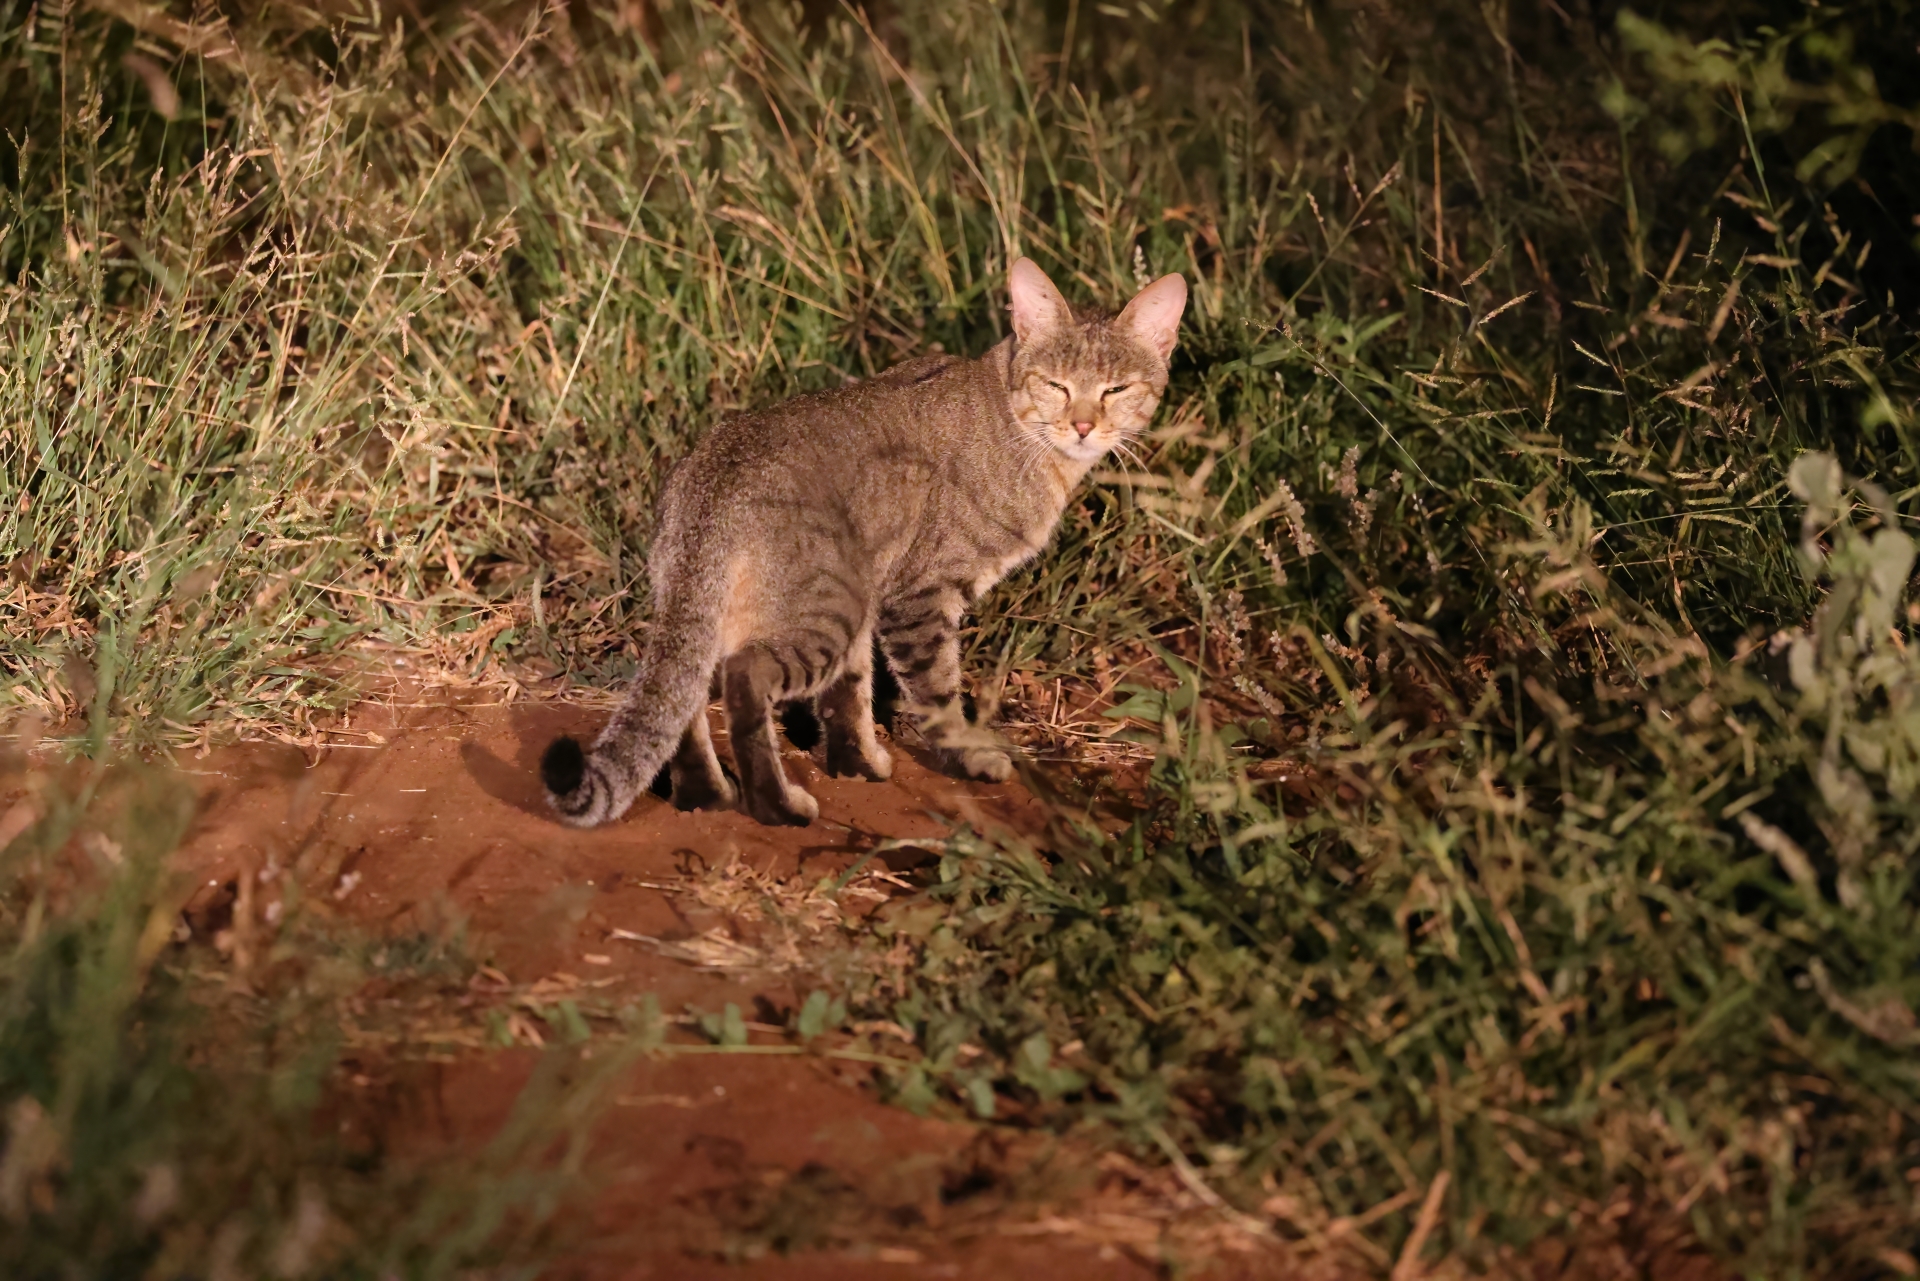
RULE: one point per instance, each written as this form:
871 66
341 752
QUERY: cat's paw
982 764
792 807
695 792
849 761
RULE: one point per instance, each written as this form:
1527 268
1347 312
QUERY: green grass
1545 946
1471 845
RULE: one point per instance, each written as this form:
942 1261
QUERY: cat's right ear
1038 307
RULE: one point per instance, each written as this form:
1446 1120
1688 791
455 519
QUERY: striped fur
792 537
669 691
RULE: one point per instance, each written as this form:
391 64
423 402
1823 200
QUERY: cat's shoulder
920 370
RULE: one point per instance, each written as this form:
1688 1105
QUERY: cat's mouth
1085 449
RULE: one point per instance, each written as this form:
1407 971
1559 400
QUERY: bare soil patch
708 1164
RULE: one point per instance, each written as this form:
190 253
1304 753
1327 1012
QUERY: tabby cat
790 537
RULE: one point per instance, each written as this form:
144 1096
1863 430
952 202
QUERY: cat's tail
591 787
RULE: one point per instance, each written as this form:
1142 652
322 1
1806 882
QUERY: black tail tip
563 766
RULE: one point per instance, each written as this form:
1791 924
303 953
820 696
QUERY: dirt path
704 1157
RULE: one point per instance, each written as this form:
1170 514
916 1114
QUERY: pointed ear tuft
1038 307
1154 314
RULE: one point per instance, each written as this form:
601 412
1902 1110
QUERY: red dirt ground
703 1156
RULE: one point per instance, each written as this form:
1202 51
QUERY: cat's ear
1154 314
1038 307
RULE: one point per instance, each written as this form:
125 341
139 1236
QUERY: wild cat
792 536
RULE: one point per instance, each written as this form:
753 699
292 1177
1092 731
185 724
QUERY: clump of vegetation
1627 940
1516 587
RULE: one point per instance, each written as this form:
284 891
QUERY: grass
1556 970
1533 778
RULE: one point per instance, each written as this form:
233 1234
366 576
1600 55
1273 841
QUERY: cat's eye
1115 391
1059 387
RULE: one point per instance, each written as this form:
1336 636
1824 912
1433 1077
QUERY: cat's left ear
1154 314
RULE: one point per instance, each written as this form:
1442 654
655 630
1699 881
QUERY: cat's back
896 421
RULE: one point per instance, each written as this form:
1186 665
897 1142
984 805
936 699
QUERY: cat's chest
1016 547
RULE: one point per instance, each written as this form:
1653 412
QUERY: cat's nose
1084 429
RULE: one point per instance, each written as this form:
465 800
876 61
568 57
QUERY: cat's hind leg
846 707
752 680
698 781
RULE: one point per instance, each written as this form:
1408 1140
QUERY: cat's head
1082 383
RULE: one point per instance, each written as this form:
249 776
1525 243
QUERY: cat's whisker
1122 451
1033 454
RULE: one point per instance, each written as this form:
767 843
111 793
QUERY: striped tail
588 788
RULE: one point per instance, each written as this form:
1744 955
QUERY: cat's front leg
921 639
846 707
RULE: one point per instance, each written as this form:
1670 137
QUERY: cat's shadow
516 782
